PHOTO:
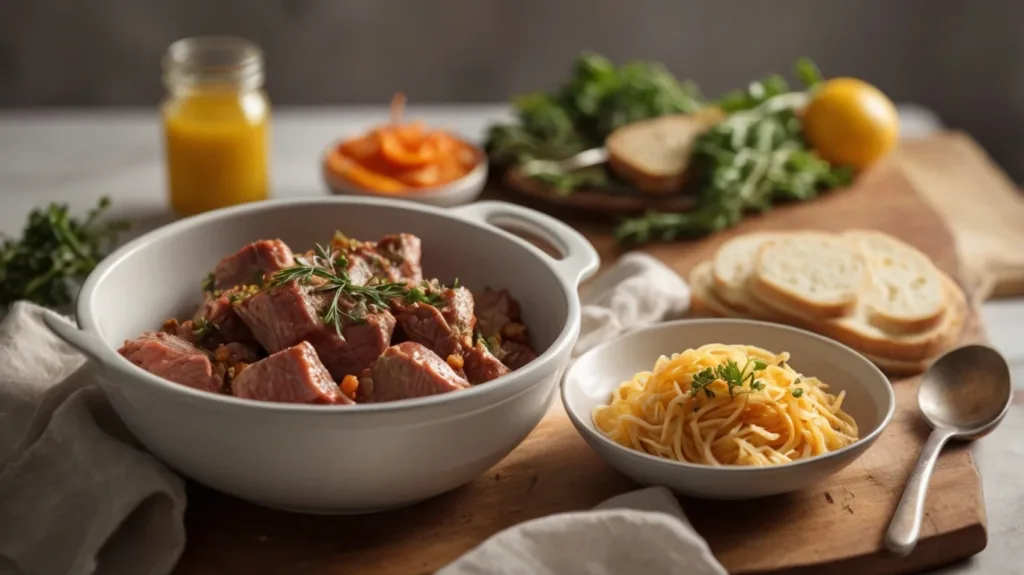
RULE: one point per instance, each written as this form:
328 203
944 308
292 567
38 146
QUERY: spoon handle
906 522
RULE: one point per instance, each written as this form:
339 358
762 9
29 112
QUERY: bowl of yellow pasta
727 408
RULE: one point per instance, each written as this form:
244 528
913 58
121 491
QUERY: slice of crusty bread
856 328
653 154
908 294
706 302
818 275
733 264
856 331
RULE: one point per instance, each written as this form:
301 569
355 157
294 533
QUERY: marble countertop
76 156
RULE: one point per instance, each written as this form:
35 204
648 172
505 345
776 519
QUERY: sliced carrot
451 170
363 147
424 177
412 134
395 153
401 156
362 177
443 143
466 156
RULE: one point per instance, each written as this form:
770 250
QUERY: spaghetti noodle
726 405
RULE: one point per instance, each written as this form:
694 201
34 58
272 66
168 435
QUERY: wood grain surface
984 208
835 527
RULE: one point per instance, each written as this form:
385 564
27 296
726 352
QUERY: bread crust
857 333
732 292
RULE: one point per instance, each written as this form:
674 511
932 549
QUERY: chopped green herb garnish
209 282
455 284
732 374
203 327
798 392
492 342
423 295
702 380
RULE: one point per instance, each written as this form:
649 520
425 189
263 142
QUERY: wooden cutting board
981 204
835 527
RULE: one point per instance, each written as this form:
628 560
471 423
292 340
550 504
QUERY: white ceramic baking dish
334 459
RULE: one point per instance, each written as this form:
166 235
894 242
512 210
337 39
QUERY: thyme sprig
732 374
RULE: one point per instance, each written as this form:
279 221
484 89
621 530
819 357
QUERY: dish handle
579 258
89 345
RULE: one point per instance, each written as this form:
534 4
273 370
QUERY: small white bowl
455 193
590 380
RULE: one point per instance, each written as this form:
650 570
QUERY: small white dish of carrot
406 160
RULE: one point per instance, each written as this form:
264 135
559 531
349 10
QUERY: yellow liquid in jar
216 146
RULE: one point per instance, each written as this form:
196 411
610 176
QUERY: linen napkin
643 531
638 290
79 496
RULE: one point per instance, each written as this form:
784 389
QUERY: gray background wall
961 58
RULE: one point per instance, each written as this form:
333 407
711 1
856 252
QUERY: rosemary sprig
332 267
731 373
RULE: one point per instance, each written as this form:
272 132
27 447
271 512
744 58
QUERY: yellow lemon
851 123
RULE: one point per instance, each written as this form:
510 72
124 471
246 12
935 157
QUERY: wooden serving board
835 527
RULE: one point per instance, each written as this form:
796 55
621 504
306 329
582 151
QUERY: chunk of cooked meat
447 328
408 370
497 313
250 264
184 330
404 252
481 366
499 321
215 322
234 353
292 375
394 258
515 355
285 315
174 359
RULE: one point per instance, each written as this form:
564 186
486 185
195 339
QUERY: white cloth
636 291
639 532
76 495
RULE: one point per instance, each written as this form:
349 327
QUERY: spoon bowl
967 390
963 395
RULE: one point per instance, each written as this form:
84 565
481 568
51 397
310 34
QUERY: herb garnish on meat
202 328
55 253
729 372
330 267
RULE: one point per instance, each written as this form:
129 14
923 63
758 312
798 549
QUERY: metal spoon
963 395
584 159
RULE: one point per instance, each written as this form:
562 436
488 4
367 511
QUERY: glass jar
216 121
